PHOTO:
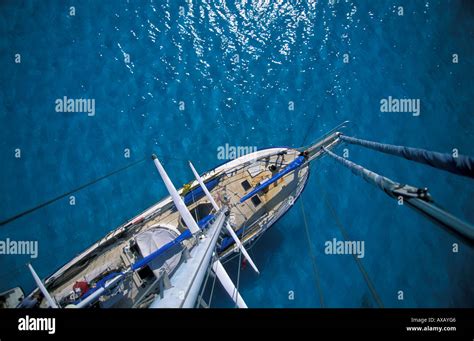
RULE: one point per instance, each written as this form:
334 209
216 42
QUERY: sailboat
162 257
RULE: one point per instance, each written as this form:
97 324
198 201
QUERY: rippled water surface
238 67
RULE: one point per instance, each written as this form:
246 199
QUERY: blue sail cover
461 165
292 166
197 193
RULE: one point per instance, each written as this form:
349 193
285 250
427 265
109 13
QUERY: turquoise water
236 66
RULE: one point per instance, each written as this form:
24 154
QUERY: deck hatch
256 200
245 185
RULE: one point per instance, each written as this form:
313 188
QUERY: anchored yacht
163 256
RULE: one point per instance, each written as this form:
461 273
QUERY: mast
229 228
189 277
187 281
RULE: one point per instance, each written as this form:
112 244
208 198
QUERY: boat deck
236 178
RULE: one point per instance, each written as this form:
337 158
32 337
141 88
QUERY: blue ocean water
236 66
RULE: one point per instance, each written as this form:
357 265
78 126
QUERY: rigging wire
46 203
313 257
236 293
239 266
203 289
308 239
345 235
59 197
211 295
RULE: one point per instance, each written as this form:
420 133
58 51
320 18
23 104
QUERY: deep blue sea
236 66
